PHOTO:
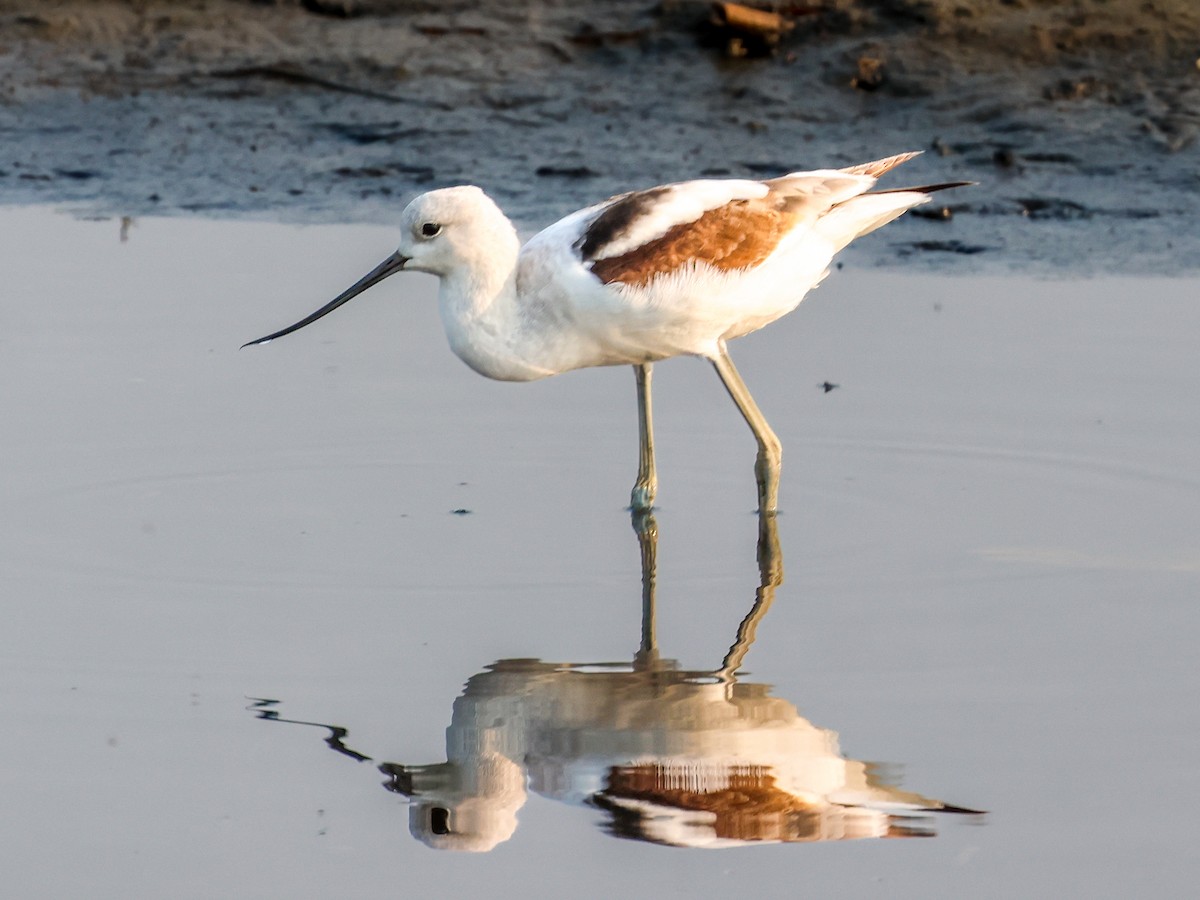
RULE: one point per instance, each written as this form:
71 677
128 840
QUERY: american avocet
669 271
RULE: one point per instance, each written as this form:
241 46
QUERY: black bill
389 266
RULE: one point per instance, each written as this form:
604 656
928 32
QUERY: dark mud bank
1078 119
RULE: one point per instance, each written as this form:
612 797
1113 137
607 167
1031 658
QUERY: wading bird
674 270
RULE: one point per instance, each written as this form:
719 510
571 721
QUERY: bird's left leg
644 489
770 451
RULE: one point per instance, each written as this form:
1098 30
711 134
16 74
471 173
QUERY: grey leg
770 451
646 486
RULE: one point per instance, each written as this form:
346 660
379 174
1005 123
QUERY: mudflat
1078 119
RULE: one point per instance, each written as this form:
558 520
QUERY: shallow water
988 549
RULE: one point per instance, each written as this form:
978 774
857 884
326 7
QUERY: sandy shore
1078 119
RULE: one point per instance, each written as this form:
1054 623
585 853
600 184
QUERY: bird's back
676 269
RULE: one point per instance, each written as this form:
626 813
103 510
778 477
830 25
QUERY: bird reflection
681 757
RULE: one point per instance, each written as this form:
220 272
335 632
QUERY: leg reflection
770 576
647 532
770 572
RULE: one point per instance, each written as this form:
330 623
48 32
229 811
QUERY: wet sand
1077 119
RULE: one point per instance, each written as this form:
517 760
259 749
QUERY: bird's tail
882 166
865 212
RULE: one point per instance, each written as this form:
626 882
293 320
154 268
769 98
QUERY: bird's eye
439 820
430 229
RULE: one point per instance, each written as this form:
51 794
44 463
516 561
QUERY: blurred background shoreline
1078 119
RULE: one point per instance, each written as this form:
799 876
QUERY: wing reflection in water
689 758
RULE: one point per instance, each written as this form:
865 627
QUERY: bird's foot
766 474
641 500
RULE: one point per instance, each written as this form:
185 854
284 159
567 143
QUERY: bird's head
448 232
453 228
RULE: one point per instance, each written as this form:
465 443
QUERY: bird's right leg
770 451
644 489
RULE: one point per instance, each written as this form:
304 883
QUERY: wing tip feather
880 166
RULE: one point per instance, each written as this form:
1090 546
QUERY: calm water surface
279 620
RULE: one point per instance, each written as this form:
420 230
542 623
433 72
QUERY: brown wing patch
749 807
738 235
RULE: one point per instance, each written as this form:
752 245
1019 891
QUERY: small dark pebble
444 31
1071 89
565 172
361 172
1050 157
937 213
418 174
870 74
207 207
1136 214
589 36
387 132
766 168
1053 208
339 9
947 247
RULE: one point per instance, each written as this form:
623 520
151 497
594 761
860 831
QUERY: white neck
482 316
